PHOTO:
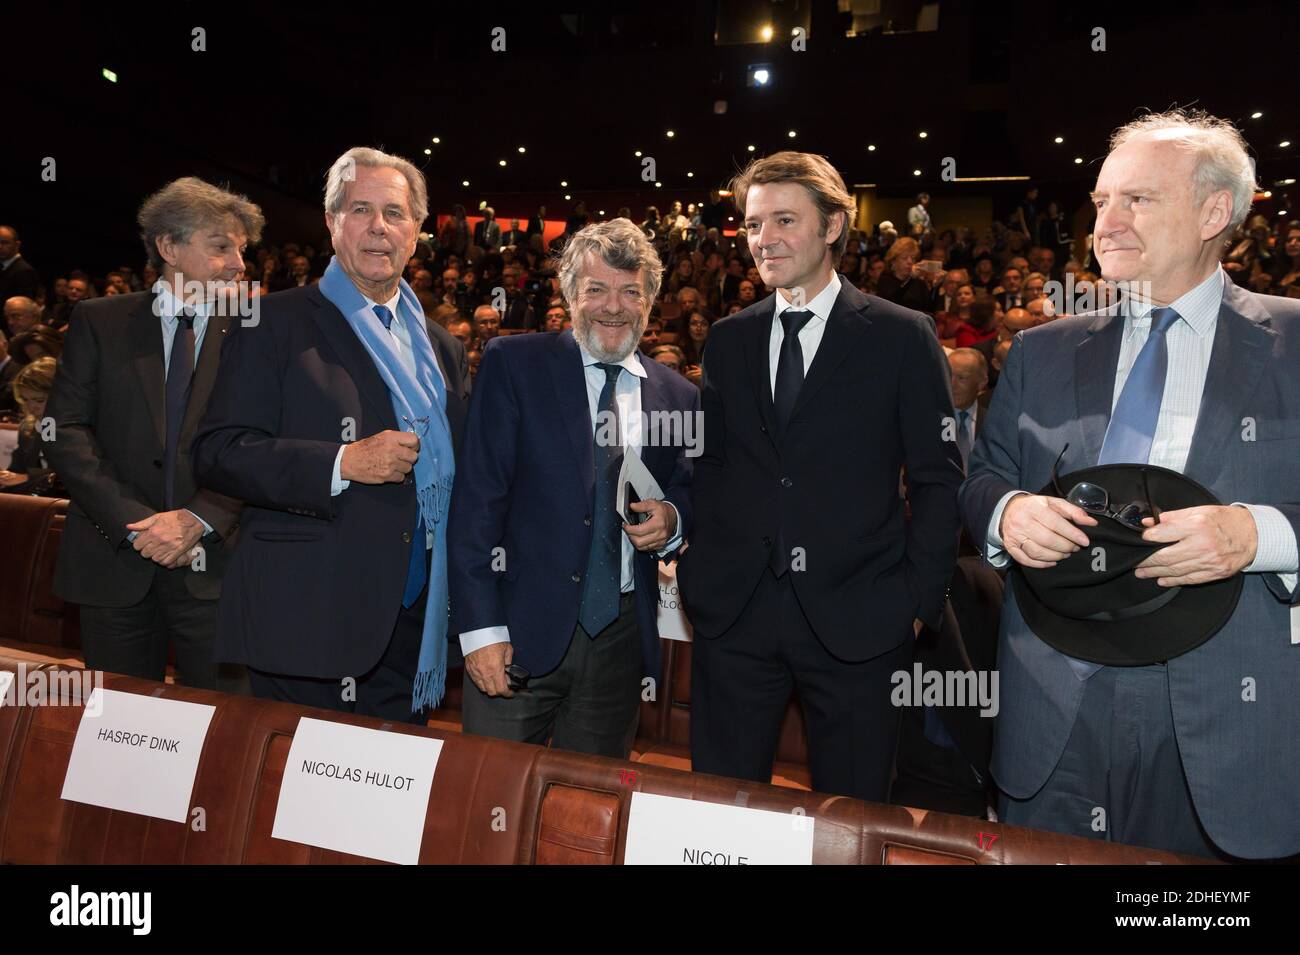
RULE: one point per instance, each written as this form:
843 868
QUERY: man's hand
386 457
167 536
1038 531
651 535
12 478
916 627
486 666
1210 543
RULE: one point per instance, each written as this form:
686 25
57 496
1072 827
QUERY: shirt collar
169 306
821 304
10 261
632 362
1198 307
391 304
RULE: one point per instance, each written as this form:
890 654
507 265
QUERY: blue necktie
180 372
1133 422
963 436
604 581
416 568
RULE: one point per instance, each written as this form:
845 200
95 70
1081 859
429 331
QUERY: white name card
665 830
356 790
671 619
137 753
6 681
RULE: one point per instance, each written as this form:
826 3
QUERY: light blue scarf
416 399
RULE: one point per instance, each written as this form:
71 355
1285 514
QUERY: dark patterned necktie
604 580
789 366
180 372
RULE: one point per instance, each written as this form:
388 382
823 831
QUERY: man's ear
166 248
836 227
1216 213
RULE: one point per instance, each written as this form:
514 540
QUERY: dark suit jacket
527 482
487 235
1242 760
8 372
874 400
19 279
109 409
536 226
315 585
515 237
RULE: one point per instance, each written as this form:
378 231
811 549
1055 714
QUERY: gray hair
622 245
183 206
344 171
1222 162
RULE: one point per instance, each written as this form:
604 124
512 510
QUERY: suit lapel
145 332
570 381
1095 362
354 357
847 321
205 372
1242 344
758 339
653 398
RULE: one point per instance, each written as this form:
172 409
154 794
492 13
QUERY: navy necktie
789 379
1133 422
604 578
789 366
180 372
963 436
417 565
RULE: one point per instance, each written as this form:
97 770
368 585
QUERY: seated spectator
1285 276
38 341
473 357
29 472
8 372
21 313
487 324
557 318
670 356
902 282
461 329
79 289
1016 320
650 337
949 323
981 326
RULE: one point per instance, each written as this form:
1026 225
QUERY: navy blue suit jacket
315 583
526 483
1241 756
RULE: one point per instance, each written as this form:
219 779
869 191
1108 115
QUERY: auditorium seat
31 528
559 807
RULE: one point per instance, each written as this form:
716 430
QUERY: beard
585 332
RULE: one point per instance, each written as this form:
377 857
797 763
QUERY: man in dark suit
145 548
802 572
516 237
487 234
537 224
335 419
1197 754
545 575
8 371
17 277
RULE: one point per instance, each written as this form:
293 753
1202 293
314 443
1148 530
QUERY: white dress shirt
627 393
1190 343
810 336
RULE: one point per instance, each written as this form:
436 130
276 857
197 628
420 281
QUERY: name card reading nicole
356 790
139 754
665 830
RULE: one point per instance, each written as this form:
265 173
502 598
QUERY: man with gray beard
552 593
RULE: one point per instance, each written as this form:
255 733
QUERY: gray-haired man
552 593
144 548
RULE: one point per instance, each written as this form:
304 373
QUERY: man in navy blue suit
336 415
553 594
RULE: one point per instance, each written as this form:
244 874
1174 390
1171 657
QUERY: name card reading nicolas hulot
356 790
665 830
137 753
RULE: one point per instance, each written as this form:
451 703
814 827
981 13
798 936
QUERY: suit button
767 542
406 537
786 482
157 463
410 479
586 521
576 577
763 428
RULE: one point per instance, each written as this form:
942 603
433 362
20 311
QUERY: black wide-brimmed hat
1091 606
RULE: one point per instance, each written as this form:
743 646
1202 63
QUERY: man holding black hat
1127 713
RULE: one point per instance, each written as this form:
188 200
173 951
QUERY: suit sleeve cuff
207 528
337 484
1276 550
484 637
993 549
676 540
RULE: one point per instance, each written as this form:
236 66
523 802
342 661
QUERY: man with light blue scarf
339 416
